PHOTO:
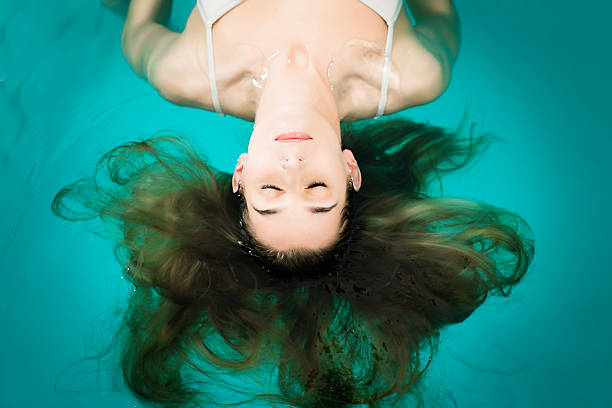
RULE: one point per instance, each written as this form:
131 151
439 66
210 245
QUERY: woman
297 69
356 323
235 273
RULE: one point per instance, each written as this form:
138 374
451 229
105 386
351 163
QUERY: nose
292 161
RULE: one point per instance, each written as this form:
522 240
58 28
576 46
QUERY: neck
296 94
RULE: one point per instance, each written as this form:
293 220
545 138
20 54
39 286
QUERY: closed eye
270 186
317 184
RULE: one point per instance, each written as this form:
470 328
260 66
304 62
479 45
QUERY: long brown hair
361 331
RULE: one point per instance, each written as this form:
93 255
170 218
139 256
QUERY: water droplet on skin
274 54
330 71
258 82
331 67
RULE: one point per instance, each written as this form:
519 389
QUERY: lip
293 137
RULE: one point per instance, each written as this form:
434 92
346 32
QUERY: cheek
255 171
256 163
333 164
336 172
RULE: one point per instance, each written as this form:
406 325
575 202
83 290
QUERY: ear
237 176
353 169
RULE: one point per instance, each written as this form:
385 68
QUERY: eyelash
312 185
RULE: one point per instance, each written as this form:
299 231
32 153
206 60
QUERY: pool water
537 74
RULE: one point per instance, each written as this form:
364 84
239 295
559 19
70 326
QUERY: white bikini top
213 10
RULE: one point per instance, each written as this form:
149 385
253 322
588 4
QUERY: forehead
295 228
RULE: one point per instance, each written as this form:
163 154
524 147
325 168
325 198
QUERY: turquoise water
536 74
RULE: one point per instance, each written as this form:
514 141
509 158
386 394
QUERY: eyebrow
314 210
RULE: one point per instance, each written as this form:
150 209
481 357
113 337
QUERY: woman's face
295 182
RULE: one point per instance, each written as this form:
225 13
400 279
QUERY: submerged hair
356 325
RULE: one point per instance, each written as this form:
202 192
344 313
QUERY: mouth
293 137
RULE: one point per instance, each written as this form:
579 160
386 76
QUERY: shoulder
179 72
419 74
177 76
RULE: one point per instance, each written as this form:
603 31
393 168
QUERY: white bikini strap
382 102
209 20
212 78
384 87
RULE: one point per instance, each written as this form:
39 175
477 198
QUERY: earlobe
356 178
353 169
235 183
237 176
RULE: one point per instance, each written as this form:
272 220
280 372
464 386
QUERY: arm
148 10
426 51
163 57
145 37
438 28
